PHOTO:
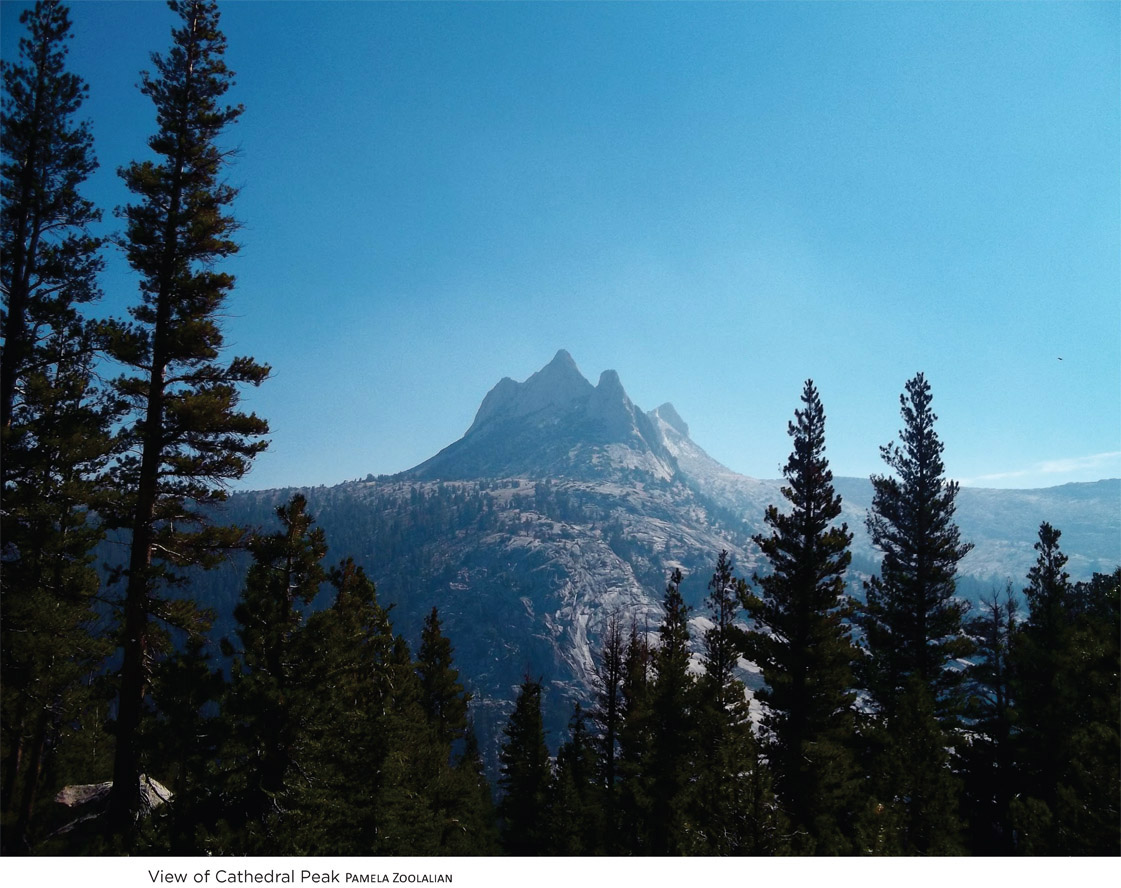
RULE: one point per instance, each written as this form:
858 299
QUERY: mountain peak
562 359
557 384
609 382
554 424
672 418
610 408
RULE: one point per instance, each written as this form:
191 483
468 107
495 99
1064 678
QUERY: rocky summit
554 425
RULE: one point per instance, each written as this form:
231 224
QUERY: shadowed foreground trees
328 742
729 805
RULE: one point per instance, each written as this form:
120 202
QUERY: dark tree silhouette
802 643
913 629
187 438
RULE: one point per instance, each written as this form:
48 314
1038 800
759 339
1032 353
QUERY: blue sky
716 200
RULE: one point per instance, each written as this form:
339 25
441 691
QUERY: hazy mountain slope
525 573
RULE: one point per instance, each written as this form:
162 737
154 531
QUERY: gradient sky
716 200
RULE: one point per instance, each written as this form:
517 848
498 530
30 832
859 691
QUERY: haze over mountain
565 504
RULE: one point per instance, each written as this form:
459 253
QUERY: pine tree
1046 703
331 746
459 793
186 737
913 630
311 708
53 643
55 423
445 701
188 438
473 831
410 819
608 718
988 765
724 639
265 706
1065 665
1049 593
49 260
672 726
802 643
1095 766
729 804
635 746
576 811
526 776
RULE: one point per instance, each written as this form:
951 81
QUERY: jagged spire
669 415
554 423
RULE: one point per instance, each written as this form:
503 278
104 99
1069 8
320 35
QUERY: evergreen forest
894 722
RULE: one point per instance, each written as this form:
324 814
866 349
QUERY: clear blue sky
715 200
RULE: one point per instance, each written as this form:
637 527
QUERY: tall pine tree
672 725
1065 662
266 704
48 258
459 793
409 819
912 626
188 438
331 743
444 698
635 745
186 738
608 718
54 423
730 804
987 762
576 808
526 776
802 643
369 755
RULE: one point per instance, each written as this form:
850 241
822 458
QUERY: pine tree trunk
125 797
15 757
124 802
31 784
